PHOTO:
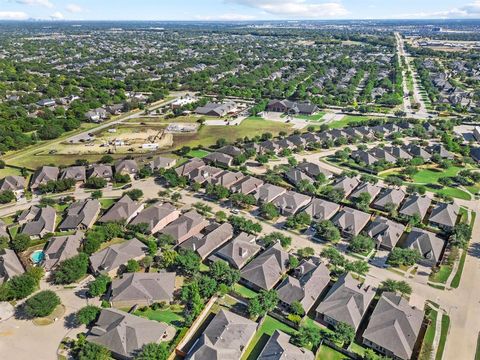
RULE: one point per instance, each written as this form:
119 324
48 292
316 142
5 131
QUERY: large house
268 192
157 217
77 173
37 222
14 183
290 202
61 248
394 327
351 221
291 107
444 216
101 171
278 347
320 210
238 251
428 244
81 215
216 109
10 265
123 210
204 245
43 175
385 232
186 226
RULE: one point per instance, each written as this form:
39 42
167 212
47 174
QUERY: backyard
171 315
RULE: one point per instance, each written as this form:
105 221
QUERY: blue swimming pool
37 256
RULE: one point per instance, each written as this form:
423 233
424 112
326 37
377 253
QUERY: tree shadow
21 314
70 321
474 250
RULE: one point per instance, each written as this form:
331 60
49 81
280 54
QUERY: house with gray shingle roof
142 289
389 196
126 167
187 225
320 209
385 232
418 151
308 282
362 156
295 176
109 260
3 230
37 222
239 251
123 210
415 204
60 248
225 338
268 192
383 154
313 170
226 178
246 185
428 244
347 301
204 245
351 221
77 173
366 187
346 184
445 216
266 270
10 265
44 175
160 162
81 215
290 202
14 183
230 150
278 347
203 174
125 334
101 170
157 216
189 166
440 150
394 327
399 152
218 159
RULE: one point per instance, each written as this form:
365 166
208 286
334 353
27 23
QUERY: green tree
344 333
154 351
361 244
188 262
87 315
269 211
42 304
71 270
297 308
20 243
328 231
91 351
133 266
406 257
99 286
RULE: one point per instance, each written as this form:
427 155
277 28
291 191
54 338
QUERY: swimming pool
37 256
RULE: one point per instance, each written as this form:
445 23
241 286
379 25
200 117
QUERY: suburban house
123 210
37 222
308 282
204 245
387 197
291 202
346 184
268 192
231 150
216 109
157 216
418 151
160 162
351 221
44 175
101 170
429 245
264 272
238 251
203 174
398 152
313 170
366 187
226 337
320 210
109 260
189 166
142 289
3 230
15 184
394 327
347 301
295 176
186 226
60 248
385 232
246 185
10 265
218 159
81 215
226 178
77 173
444 216
125 334
278 347
292 107
126 167
364 157
415 204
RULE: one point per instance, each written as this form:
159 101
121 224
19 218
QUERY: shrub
87 314
71 270
42 304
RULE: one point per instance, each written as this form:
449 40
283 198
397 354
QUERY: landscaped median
430 349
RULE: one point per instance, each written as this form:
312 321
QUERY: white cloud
13 15
57 15
226 17
471 10
44 3
307 9
73 8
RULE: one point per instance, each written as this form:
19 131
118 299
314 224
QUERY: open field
347 120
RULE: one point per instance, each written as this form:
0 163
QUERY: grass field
442 275
429 335
7 171
244 291
197 153
458 276
443 336
262 335
431 176
327 353
170 316
316 117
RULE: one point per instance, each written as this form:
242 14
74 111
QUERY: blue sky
236 9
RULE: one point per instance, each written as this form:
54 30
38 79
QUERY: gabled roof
398 152
230 150
266 269
160 162
394 325
383 154
125 334
184 225
247 185
305 286
42 220
77 173
351 221
322 209
313 170
204 245
10 265
225 338
13 183
80 213
268 192
295 176
278 347
61 248
366 187
100 170
128 166
291 201
113 256
189 166
154 214
238 251
227 178
445 214
347 301
389 196
385 231
44 175
347 184
150 287
218 158
427 243
364 156
416 204
121 210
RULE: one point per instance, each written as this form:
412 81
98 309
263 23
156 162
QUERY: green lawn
107 203
442 275
197 153
429 334
431 176
347 120
7 171
316 117
456 279
169 316
327 353
262 335
244 291
443 337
